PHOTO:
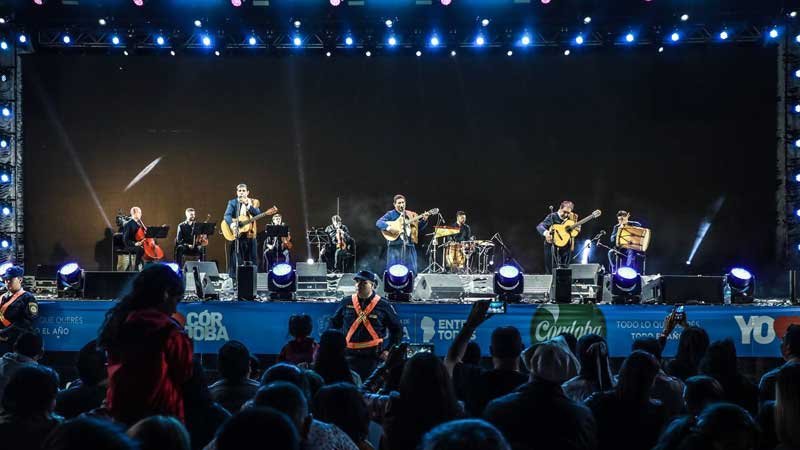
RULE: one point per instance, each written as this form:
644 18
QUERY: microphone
598 236
551 209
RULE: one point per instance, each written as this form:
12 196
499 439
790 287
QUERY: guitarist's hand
548 237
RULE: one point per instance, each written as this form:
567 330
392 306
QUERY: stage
68 324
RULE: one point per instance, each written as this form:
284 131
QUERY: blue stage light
3 45
479 41
6 211
485 22
684 17
418 53
797 143
723 35
626 286
392 41
23 39
579 39
587 20
160 40
102 22
526 40
198 23
6 111
398 282
4 178
739 286
629 37
509 283
348 41
66 39
297 41
797 177
3 143
388 23
797 38
69 278
434 41
5 243
675 36
797 213
773 33
252 40
281 282
4 267
115 40
206 41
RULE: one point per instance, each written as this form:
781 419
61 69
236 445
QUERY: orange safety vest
5 306
362 317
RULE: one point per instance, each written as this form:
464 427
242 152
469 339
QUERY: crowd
141 387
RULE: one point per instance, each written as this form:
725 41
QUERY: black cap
366 275
13 272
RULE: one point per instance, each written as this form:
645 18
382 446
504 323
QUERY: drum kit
465 257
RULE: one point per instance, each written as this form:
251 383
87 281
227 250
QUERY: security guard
18 309
365 319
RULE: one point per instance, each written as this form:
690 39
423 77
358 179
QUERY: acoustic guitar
395 227
245 224
564 232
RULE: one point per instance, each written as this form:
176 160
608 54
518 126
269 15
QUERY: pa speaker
106 285
684 289
431 286
561 288
247 282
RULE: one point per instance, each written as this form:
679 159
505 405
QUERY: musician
129 231
185 240
402 250
275 248
630 256
242 205
18 309
555 256
341 245
465 233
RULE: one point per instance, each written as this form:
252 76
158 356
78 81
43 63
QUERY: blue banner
756 330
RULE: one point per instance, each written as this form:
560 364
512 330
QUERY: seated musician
630 256
275 248
185 240
129 231
465 232
340 250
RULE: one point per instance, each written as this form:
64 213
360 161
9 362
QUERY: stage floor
68 324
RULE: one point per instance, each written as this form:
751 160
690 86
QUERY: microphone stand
506 250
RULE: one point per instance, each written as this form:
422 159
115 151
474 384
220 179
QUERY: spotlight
723 35
587 20
335 2
434 41
328 54
419 53
566 52
139 3
198 23
69 278
389 23
509 283
5 243
6 112
115 40
297 24
236 3
797 178
738 286
3 143
297 41
310 261
579 39
797 73
252 40
797 213
23 39
445 2
773 33
217 53
5 266
160 40
281 282
452 53
398 282
629 37
684 18
368 53
392 41
797 143
793 14
797 38
3 45
2 20
4 178
102 22
66 39
675 36
6 211
206 41
38 2
626 286
544 2
660 49
479 41
172 52
526 40
348 41
509 53
125 52
485 22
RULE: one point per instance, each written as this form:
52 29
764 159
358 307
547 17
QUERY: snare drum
454 255
633 238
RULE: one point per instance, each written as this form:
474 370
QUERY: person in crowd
701 391
89 391
235 386
630 403
595 374
551 420
149 354
572 342
314 435
720 362
342 404
314 381
473 354
255 368
692 346
302 347
465 434
331 362
484 385
252 425
288 373
787 407
28 350
28 408
203 414
790 350
719 426
85 433
160 433
668 390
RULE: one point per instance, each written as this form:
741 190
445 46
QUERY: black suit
129 231
183 240
342 258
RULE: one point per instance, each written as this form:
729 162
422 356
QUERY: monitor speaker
561 288
247 282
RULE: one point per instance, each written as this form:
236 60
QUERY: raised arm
459 346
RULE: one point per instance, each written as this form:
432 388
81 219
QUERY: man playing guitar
556 256
403 248
243 250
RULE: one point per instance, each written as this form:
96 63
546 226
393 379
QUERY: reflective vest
5 306
362 318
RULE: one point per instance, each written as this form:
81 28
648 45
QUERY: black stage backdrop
662 135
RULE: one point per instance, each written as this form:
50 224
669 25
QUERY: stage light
544 2
38 2
297 41
281 282
797 73
217 53
4 267
398 282
773 33
793 14
797 178
160 40
297 24
368 53
626 286
125 52
328 54
509 283
723 35
4 178
629 37
172 52
206 41
69 278
797 213
23 39
335 2
252 40
3 45
5 243
485 22
392 41
675 36
445 2
102 22
526 40
66 39
389 23
6 112
2 20
236 3
797 38
452 53
684 17
434 41
348 41
3 143
579 39
797 143
419 53
739 286
660 49
6 211
509 53
198 23
587 20
115 40
138 2
566 52
310 261
479 41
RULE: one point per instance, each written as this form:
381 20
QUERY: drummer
621 256
464 233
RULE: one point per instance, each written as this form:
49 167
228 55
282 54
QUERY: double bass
152 252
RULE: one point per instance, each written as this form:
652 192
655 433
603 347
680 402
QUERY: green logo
551 320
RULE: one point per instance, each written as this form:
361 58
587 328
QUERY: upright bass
152 252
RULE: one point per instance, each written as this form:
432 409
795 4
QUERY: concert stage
756 329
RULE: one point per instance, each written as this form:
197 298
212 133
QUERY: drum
454 255
468 247
633 238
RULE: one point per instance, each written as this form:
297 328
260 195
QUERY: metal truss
12 247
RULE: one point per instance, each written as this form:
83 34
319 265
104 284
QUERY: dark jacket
384 320
185 235
232 210
129 233
22 313
539 416
480 386
550 220
79 399
9 364
625 426
233 394
766 387
26 433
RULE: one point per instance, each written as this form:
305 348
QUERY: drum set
466 257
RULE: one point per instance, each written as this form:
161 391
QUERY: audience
288 373
252 425
235 386
302 347
692 346
667 389
790 350
86 433
89 391
787 407
149 354
28 403
466 434
701 391
203 414
595 374
330 361
720 362
722 426
28 349
342 404
473 354
627 417
160 433
538 414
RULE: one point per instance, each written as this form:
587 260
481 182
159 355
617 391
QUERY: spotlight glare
5 243
629 37
23 39
579 39
723 35
660 49
297 41
3 143
335 2
66 39
793 14
797 178
236 3
566 52
125 52
479 41
3 45
160 40
509 53
544 2
587 20
5 111
310 261
434 41
446 2
419 53
389 23
115 40
485 22
198 23
392 41
206 41
138 2
684 17
102 22
297 24
452 53
675 36
172 52
797 73
348 41
526 40
5 178
797 108
797 38
6 211
368 53
797 143
328 54
217 53
773 33
252 40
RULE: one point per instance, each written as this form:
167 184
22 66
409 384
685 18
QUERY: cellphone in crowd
496 307
413 349
679 313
